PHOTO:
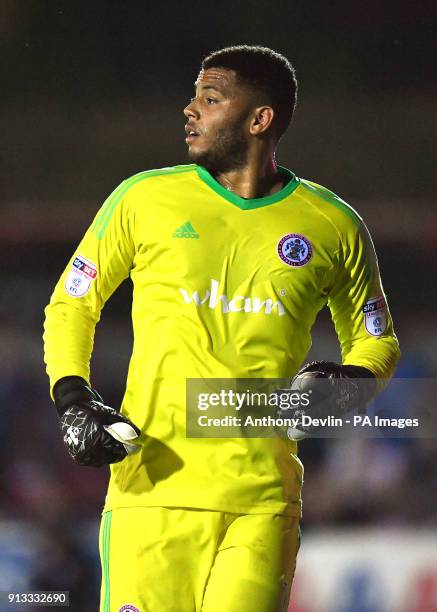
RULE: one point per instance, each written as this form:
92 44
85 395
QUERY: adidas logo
186 231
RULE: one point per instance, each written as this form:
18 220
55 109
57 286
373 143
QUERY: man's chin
214 162
197 157
206 158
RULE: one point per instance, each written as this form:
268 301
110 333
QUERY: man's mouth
192 134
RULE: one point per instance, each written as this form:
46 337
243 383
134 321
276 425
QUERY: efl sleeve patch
375 316
80 277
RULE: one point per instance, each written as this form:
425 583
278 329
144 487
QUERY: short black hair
263 70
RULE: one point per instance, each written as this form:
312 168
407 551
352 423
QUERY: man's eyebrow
210 87
201 85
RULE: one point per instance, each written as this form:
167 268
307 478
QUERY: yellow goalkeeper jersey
223 287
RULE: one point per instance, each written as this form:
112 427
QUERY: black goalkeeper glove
333 390
93 433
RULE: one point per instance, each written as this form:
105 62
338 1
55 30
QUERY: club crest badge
80 277
295 250
128 608
375 316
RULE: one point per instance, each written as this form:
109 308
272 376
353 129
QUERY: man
231 259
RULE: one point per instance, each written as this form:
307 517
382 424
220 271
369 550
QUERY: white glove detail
125 434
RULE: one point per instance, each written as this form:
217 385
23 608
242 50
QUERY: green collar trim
242 203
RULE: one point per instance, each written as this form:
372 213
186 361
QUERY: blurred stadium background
92 93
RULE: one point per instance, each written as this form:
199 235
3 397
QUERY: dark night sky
94 91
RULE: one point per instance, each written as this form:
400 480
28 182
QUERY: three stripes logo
186 231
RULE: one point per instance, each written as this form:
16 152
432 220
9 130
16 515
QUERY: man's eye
210 101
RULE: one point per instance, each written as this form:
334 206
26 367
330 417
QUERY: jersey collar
250 204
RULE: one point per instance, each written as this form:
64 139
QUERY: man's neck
254 180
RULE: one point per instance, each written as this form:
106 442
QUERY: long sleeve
359 308
100 263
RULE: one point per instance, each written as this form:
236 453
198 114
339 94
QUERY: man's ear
262 119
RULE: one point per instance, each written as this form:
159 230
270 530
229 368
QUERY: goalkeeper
231 259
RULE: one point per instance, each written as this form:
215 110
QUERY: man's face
218 119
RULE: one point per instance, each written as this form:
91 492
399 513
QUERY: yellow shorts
188 560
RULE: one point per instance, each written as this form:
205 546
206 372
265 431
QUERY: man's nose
190 111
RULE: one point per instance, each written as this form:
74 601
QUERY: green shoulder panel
331 198
102 219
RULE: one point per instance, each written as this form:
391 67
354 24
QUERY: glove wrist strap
72 390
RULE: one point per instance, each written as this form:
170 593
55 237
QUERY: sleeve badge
375 316
83 272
